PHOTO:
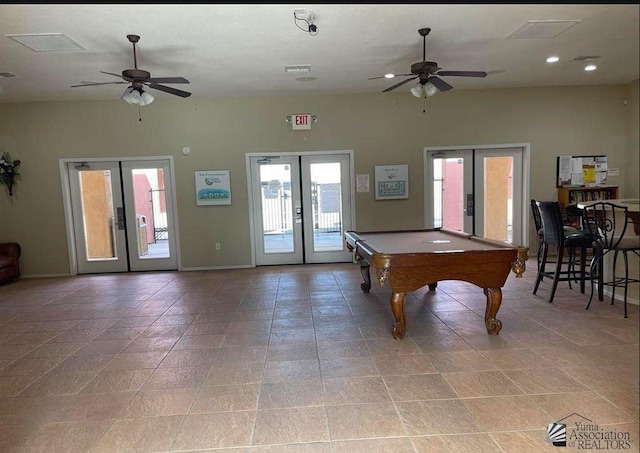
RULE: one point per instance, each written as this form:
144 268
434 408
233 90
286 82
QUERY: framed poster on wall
392 182
213 187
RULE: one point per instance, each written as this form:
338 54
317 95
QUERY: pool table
409 260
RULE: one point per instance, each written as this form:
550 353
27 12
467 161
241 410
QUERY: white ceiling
241 50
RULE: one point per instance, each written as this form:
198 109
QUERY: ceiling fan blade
183 94
463 73
167 80
118 75
440 84
400 84
90 84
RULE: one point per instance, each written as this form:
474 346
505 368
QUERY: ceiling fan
427 73
138 78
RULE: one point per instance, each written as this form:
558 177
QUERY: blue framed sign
213 188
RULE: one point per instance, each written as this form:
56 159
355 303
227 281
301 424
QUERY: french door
478 191
301 208
123 215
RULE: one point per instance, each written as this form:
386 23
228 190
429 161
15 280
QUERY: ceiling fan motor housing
429 67
136 74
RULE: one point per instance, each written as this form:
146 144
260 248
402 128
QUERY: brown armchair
9 266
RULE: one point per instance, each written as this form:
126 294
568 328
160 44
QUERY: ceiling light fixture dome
426 90
553 59
146 98
133 95
417 91
430 89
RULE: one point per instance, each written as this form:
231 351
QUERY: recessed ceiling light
553 59
590 67
389 76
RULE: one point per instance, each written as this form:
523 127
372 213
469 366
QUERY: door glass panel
326 204
276 201
448 193
498 198
152 234
98 214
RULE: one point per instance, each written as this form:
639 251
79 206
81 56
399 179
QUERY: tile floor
297 359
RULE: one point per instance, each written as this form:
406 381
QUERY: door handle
120 218
298 214
469 209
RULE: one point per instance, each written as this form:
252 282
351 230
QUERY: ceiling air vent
46 42
298 68
542 28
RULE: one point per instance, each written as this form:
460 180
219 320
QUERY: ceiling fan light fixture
138 96
127 96
389 76
146 98
430 89
418 90
135 96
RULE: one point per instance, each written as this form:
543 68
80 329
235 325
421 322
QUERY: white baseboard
46 275
215 268
619 296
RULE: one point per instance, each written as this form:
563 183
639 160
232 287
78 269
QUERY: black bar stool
537 221
608 223
554 235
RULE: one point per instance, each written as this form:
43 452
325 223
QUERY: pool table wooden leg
364 270
433 286
397 307
494 299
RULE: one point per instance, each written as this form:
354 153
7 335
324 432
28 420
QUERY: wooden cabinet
573 195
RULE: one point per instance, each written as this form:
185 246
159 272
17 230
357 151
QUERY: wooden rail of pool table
487 268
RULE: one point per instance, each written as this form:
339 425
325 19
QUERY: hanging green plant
8 171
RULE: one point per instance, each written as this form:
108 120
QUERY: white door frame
479 205
524 202
267 154
467 186
68 213
296 254
311 253
118 262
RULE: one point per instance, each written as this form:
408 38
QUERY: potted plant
8 171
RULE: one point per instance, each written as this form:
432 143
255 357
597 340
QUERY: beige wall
382 128
632 185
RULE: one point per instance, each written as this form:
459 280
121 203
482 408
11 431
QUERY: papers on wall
581 170
362 182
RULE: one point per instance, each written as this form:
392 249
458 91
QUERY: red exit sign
300 121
